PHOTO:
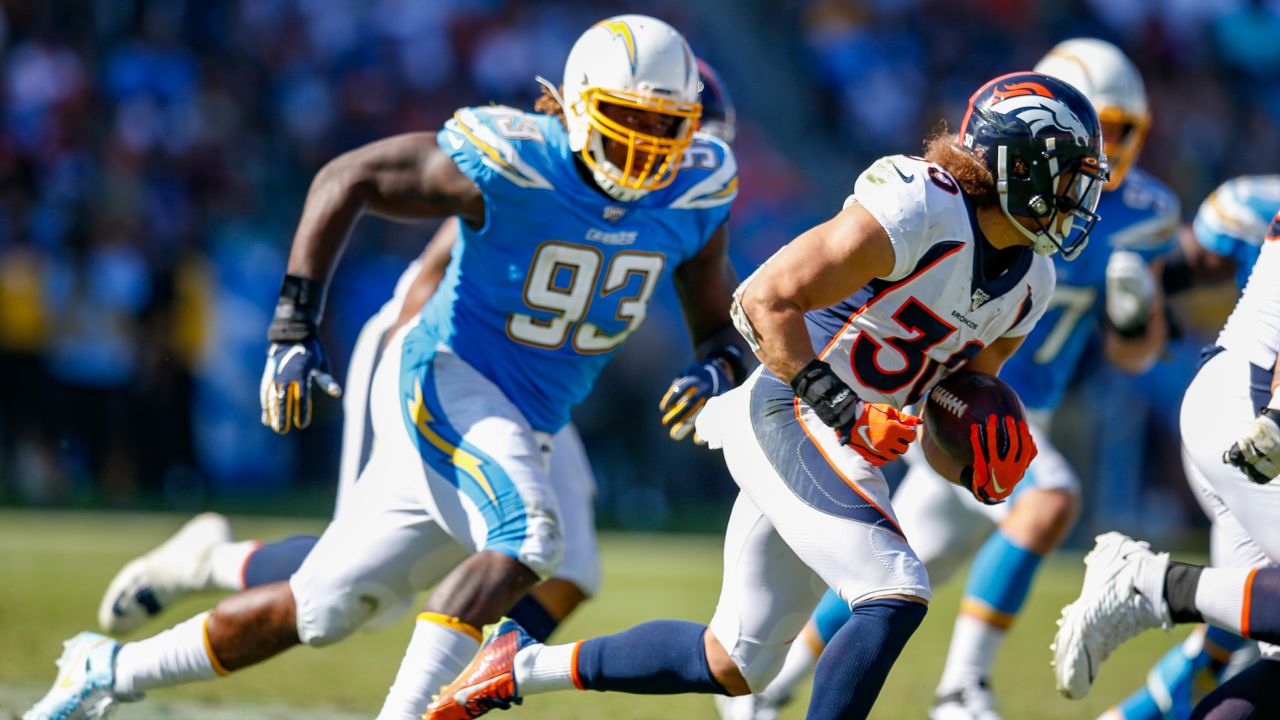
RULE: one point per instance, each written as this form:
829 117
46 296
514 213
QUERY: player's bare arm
991 358
406 177
819 268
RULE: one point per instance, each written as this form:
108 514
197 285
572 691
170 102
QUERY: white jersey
1253 330
903 333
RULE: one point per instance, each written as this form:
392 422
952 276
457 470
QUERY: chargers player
1224 242
1110 287
568 222
1231 441
203 555
935 263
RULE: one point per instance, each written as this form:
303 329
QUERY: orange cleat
488 682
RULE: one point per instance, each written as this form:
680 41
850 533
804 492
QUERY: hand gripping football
955 404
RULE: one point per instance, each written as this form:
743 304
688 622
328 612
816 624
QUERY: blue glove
715 374
295 357
286 383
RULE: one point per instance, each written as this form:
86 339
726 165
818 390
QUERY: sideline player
1224 242
930 267
1109 287
1231 440
204 556
568 221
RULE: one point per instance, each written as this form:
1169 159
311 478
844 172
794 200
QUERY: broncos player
568 220
1224 242
1109 286
203 555
1231 442
934 263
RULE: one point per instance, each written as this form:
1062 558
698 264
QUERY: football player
1111 287
568 220
203 555
1231 440
934 263
1224 242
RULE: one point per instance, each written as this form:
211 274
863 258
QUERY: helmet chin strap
611 188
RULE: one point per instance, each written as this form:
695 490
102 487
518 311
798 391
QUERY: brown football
960 400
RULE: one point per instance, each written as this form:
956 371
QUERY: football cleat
1122 595
488 682
154 581
969 702
83 688
748 707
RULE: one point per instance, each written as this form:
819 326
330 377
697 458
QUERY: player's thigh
1219 407
373 557
486 480
766 595
575 488
828 504
942 521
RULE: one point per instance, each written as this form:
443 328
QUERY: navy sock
277 561
534 618
856 662
1249 695
663 657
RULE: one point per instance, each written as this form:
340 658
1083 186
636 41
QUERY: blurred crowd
154 156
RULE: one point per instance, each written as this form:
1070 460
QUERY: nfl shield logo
614 213
980 298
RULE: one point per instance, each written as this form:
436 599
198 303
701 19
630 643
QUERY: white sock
226 564
972 655
439 649
178 655
1220 597
546 668
801 658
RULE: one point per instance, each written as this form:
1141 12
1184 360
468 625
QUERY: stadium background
154 157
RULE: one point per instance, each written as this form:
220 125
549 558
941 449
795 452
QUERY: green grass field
54 567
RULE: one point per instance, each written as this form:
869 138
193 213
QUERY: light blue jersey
539 298
1234 219
1142 216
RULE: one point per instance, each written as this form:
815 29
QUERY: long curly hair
943 148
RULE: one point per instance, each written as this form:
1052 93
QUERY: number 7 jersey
540 297
902 334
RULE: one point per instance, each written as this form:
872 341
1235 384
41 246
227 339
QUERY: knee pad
541 549
330 609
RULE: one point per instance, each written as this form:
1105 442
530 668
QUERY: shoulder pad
502 139
913 200
708 175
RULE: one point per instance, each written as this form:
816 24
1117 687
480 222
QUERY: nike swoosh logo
454 140
905 178
862 433
293 352
994 482
463 696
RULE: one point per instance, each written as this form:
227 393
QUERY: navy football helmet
1042 142
718 115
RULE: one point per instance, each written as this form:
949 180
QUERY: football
957 402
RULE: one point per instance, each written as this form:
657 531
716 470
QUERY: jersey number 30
563 281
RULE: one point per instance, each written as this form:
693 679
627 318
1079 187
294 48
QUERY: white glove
1131 290
1258 452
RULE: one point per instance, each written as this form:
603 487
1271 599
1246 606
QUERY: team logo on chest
614 213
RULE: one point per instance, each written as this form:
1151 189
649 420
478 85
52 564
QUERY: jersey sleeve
1155 231
895 192
708 181
1040 284
486 143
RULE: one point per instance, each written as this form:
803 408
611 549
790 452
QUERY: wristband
297 311
832 400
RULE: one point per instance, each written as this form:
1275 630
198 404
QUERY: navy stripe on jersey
1024 310
826 323
799 462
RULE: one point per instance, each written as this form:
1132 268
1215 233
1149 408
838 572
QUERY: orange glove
880 434
993 475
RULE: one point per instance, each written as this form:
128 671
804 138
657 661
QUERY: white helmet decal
1040 113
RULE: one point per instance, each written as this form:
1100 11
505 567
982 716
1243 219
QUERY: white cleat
748 707
83 688
1122 595
154 581
969 702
